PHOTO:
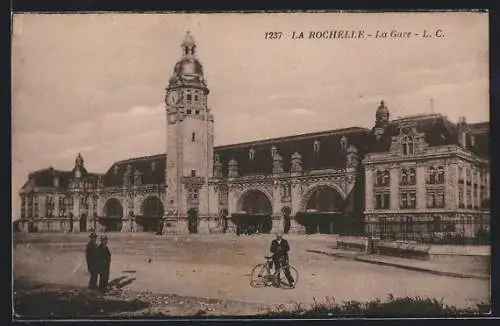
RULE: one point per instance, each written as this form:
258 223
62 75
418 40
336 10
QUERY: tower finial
188 45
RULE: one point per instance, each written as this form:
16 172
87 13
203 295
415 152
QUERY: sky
95 83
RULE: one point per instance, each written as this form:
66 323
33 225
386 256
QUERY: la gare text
354 34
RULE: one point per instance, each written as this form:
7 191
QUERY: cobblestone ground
218 267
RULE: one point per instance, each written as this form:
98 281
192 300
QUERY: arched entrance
254 214
193 220
113 210
152 213
83 223
323 212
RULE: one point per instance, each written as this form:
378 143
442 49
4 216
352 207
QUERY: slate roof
45 178
150 175
330 154
439 131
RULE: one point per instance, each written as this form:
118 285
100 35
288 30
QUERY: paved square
218 266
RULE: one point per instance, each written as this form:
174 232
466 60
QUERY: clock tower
190 141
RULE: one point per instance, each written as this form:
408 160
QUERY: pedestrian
92 255
280 249
105 263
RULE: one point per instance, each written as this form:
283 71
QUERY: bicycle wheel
283 281
260 276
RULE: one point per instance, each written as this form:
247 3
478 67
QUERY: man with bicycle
280 248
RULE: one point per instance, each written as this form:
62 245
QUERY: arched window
412 179
407 145
386 178
440 175
404 176
431 175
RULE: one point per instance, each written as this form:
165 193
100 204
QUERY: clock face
172 98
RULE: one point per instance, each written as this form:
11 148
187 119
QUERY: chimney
461 129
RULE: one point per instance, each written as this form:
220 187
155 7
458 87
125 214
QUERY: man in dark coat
280 248
92 255
105 263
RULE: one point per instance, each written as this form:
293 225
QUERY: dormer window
274 151
407 145
153 166
251 154
343 142
316 146
116 169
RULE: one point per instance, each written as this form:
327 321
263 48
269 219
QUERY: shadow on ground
48 302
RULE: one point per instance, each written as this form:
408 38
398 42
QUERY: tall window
404 176
460 174
407 145
408 176
469 198
379 178
23 207
193 136
382 178
461 203
386 178
408 200
189 96
435 200
468 175
412 179
440 175
382 201
431 175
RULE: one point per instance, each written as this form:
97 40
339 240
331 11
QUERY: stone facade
414 178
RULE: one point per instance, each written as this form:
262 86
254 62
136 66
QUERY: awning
110 217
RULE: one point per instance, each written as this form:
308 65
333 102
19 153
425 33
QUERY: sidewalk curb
412 268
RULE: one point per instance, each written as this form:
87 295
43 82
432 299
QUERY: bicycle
261 275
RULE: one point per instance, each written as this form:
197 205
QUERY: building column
394 188
421 181
76 213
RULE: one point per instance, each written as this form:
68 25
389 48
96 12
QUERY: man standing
280 248
92 255
105 263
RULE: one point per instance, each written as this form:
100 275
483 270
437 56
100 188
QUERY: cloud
300 111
